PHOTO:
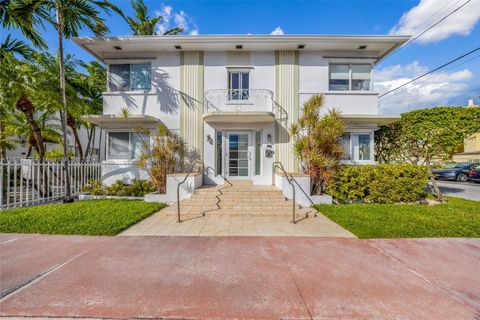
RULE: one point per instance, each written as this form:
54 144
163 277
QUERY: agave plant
317 142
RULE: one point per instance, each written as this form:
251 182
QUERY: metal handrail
301 189
278 164
178 187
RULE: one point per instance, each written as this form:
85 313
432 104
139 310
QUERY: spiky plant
317 142
161 157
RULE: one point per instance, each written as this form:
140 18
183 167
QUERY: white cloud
172 18
277 31
438 88
427 12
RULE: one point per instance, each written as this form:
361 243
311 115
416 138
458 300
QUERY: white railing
28 182
235 100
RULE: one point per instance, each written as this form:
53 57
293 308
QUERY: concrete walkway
164 224
239 277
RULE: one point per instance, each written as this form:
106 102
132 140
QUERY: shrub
163 156
138 188
383 183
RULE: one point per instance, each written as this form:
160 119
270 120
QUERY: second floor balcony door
238 85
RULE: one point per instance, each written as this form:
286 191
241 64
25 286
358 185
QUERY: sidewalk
239 277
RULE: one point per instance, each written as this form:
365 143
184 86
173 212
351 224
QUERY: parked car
456 171
474 175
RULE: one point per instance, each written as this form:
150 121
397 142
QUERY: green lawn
93 217
456 218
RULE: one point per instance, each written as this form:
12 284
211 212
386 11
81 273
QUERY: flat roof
348 46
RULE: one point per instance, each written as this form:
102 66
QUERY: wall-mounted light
362 47
239 46
178 47
209 139
269 138
301 46
117 47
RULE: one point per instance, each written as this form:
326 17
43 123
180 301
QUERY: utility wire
436 23
447 6
432 26
437 74
429 72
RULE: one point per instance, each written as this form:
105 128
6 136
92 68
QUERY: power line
437 74
429 72
436 23
432 26
446 6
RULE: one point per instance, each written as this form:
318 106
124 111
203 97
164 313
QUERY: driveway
466 190
239 277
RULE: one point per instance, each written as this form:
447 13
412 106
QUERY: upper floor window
238 85
130 77
346 77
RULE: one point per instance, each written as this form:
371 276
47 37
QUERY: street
238 277
466 190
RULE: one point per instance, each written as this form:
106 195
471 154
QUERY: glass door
239 155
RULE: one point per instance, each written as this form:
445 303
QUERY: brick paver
239 277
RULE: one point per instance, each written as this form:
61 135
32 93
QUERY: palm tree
89 87
14 46
67 17
143 25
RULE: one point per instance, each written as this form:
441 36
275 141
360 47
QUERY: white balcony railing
227 100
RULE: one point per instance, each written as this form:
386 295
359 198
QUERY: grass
456 218
94 217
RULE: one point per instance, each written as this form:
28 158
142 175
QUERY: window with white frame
238 85
130 77
126 145
350 77
357 146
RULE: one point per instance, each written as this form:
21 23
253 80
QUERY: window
238 85
358 147
126 145
218 153
258 148
346 77
361 74
339 77
345 141
124 77
364 147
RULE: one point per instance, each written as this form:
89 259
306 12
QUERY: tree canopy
426 134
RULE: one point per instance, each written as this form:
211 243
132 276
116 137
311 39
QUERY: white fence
27 182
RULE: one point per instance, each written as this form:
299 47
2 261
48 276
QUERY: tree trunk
89 142
3 136
63 118
436 189
25 105
72 123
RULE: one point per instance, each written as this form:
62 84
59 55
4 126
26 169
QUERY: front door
239 155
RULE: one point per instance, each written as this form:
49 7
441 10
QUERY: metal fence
27 182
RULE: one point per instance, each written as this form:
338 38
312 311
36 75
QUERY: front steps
238 198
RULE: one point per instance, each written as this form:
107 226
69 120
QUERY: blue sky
456 35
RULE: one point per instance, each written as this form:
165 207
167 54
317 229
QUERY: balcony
225 105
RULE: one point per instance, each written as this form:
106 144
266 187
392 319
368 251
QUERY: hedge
383 183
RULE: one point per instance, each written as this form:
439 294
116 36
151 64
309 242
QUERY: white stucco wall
122 170
161 102
314 79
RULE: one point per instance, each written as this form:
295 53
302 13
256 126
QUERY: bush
383 183
138 188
